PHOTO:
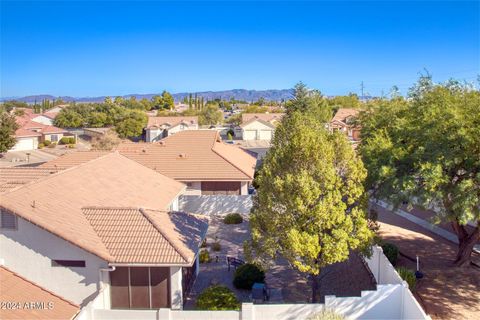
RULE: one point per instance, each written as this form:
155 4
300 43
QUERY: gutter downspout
102 287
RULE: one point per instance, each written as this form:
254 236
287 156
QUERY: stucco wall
194 188
260 129
29 251
176 288
216 204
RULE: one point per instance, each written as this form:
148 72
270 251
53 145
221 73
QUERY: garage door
25 144
220 187
250 135
266 135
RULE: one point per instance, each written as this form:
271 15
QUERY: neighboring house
344 121
28 300
161 127
259 126
106 227
31 133
197 158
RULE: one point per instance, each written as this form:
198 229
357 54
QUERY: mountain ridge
238 94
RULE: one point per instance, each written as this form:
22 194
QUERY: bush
233 218
67 140
46 143
391 252
326 314
216 246
52 145
246 275
204 256
41 146
409 276
217 298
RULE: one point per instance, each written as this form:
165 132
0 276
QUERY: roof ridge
174 245
224 158
39 286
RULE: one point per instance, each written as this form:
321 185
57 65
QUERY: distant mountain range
238 94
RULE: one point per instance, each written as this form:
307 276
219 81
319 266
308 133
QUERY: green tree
168 101
425 151
310 206
210 115
8 126
132 124
97 119
68 118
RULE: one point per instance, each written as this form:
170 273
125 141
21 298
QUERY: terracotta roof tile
193 155
15 288
55 202
69 160
150 236
267 117
171 121
343 113
11 178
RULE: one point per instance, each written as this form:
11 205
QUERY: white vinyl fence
391 300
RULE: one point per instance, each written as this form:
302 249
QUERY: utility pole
362 87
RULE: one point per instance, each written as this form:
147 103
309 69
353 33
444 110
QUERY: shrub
409 276
216 246
233 218
326 314
64 140
71 140
52 145
46 143
217 298
391 252
41 146
246 275
204 256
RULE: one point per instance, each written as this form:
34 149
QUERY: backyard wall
216 204
390 301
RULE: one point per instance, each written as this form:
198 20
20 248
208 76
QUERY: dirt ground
445 292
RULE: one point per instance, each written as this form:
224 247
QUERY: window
68 263
54 138
8 220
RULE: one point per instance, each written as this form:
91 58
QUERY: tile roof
72 159
150 236
15 288
343 113
55 202
29 128
14 177
193 155
267 117
24 133
171 121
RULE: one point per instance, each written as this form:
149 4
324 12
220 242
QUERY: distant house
259 126
31 133
344 121
107 227
197 158
161 127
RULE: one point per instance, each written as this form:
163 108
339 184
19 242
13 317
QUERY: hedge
233 218
391 252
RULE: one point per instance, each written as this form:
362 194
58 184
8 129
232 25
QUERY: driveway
22 158
445 292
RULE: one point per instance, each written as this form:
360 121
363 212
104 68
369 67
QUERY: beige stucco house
259 126
107 227
162 127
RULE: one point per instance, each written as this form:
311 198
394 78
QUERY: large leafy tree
8 126
132 124
310 206
210 115
69 118
426 151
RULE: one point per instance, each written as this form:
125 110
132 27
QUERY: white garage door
250 135
26 144
266 135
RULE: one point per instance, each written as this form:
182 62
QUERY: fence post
247 312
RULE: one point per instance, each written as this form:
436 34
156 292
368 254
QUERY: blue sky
115 48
